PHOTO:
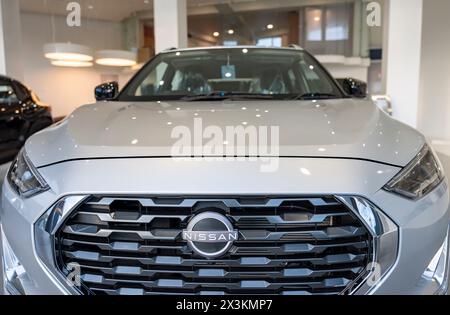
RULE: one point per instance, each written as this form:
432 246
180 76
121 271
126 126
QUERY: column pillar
403 58
434 111
170 18
357 32
11 55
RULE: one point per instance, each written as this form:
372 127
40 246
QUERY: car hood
342 128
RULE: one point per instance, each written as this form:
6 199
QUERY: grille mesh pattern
286 246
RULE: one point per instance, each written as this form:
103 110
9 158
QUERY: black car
21 115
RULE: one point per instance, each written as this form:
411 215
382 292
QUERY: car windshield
194 75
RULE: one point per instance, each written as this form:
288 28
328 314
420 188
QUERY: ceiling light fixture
68 52
270 26
230 31
216 34
72 63
116 58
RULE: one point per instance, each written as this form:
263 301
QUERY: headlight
420 177
24 178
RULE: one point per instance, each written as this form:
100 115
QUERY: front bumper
423 225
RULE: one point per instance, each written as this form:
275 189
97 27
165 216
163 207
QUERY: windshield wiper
221 96
313 96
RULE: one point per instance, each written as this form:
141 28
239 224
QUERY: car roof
291 47
11 80
5 78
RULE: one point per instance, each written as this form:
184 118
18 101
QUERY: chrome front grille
285 246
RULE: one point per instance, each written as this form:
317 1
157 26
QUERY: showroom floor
443 150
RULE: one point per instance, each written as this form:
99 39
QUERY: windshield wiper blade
220 96
309 96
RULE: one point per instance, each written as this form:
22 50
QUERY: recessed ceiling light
270 26
317 18
231 31
216 34
245 50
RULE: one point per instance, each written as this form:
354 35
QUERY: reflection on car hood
342 128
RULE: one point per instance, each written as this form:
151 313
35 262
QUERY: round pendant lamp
72 64
116 58
68 52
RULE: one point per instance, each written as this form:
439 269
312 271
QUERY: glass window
270 41
321 27
7 94
337 24
230 43
280 73
327 29
154 81
177 81
21 91
312 76
314 24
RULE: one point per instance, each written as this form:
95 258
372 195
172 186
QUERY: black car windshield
220 73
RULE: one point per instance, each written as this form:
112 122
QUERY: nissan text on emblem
210 234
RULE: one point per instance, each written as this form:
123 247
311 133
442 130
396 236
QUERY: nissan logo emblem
210 234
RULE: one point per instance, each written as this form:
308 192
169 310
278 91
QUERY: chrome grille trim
291 250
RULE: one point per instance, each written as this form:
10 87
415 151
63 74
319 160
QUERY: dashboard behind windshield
279 73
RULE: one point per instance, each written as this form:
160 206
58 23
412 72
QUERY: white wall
342 67
342 71
434 111
66 88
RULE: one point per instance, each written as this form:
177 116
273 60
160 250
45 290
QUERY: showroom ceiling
115 10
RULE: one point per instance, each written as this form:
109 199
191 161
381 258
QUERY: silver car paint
347 132
423 223
329 128
423 226
197 176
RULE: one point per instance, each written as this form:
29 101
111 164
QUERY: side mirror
354 87
107 91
